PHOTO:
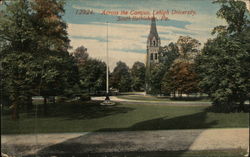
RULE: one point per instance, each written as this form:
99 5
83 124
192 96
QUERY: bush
61 99
85 97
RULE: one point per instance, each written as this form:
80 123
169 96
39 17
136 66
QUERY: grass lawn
90 116
161 98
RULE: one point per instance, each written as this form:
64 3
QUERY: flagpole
107 67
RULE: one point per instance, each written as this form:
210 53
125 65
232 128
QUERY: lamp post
107 68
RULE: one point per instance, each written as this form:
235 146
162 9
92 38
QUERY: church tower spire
153 45
153 31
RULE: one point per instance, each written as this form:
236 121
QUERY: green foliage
18 71
50 29
223 67
168 54
180 78
92 75
177 75
138 76
156 74
81 55
54 76
72 86
188 46
121 77
16 27
225 60
34 54
19 80
91 72
20 75
235 13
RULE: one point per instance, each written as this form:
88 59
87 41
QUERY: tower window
151 56
154 43
156 56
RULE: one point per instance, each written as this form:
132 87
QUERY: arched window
151 56
154 43
156 56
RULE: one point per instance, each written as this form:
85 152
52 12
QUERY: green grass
161 98
85 117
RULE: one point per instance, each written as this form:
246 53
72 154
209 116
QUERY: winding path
189 103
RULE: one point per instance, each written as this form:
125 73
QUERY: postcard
122 78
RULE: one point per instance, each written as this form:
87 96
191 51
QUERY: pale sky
127 39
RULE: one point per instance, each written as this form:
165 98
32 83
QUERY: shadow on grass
190 98
82 110
117 142
193 121
221 109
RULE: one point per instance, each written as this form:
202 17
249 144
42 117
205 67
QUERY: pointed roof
153 30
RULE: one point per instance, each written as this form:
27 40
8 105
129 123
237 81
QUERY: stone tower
153 45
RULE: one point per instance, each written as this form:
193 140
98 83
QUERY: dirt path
165 140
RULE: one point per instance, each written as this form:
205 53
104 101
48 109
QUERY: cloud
101 39
115 55
127 41
124 44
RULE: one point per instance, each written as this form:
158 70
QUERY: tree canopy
34 42
138 76
225 60
121 77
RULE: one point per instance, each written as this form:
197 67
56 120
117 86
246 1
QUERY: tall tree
180 78
16 37
92 75
138 76
52 44
19 79
50 28
188 47
35 29
16 31
225 60
91 71
156 76
121 77
81 55
235 14
168 54
223 68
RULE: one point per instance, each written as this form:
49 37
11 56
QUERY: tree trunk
45 107
241 106
15 111
54 100
29 104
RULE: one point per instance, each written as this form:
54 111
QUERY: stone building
153 45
